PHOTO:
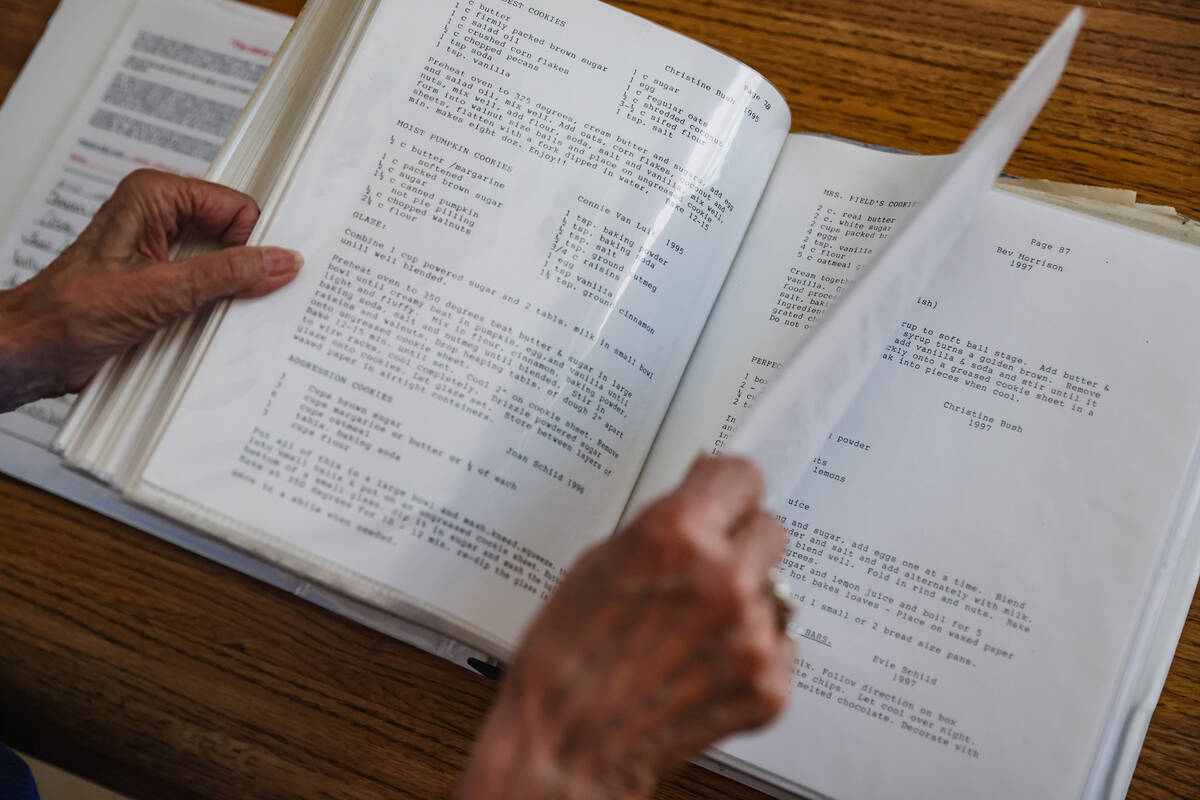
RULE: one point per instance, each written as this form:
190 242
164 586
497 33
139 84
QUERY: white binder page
515 220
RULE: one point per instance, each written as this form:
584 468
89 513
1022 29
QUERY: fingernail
282 262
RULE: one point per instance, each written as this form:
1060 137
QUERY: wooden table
163 675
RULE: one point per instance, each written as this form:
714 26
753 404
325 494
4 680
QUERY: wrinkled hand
114 287
658 643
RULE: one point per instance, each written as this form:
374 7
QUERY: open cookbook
555 252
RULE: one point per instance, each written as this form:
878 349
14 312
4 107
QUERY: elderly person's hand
658 643
113 287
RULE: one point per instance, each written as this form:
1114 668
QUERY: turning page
833 361
516 217
974 549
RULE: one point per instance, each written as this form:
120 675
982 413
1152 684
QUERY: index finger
762 541
217 211
727 490
163 204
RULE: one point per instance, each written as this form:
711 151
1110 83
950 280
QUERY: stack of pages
553 253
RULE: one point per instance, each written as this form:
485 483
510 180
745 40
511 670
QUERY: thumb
173 289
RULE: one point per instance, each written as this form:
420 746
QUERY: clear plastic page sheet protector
163 93
1003 631
511 250
36 110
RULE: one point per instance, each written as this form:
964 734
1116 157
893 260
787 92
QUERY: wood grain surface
162 675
